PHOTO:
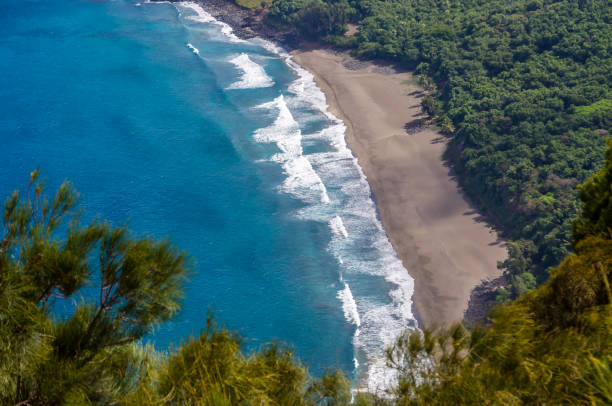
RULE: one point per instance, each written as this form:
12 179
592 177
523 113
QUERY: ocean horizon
165 120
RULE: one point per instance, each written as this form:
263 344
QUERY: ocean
163 119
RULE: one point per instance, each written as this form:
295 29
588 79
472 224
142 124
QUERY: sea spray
253 75
337 227
349 306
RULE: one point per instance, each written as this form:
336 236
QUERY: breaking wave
201 16
302 181
193 49
376 290
359 241
253 75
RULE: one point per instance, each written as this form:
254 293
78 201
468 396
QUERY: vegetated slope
523 88
551 346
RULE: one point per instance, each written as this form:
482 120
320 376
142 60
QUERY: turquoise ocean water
162 118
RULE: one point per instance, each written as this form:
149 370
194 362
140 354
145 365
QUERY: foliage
91 354
312 18
47 256
253 4
212 370
596 195
523 89
551 346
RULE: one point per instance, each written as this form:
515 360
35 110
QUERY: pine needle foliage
47 256
552 346
93 355
213 370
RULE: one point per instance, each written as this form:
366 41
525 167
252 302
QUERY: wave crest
193 49
302 181
201 16
253 75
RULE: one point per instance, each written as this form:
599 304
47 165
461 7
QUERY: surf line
378 322
353 223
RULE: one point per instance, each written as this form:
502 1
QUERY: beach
436 232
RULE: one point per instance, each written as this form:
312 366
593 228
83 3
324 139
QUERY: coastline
245 23
435 231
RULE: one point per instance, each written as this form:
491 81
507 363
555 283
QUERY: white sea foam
284 131
337 226
253 75
302 181
304 86
193 49
349 306
364 253
202 16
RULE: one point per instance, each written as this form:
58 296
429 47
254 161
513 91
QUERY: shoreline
246 24
435 231
433 227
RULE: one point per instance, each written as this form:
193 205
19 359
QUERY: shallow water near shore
162 117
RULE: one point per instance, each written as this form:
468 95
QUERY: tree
596 196
212 370
522 87
553 345
92 354
48 256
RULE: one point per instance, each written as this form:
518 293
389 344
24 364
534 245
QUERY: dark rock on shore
247 23
482 301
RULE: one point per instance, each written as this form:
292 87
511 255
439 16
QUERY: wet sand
435 230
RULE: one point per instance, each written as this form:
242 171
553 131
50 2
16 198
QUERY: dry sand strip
433 227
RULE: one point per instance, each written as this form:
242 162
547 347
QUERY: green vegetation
88 356
522 88
213 370
253 4
313 19
92 355
551 346
596 195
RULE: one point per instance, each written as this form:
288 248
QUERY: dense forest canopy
522 88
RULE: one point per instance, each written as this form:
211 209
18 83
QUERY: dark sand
435 230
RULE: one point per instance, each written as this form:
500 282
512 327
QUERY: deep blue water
163 119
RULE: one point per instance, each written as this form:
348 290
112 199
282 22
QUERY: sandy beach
436 232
